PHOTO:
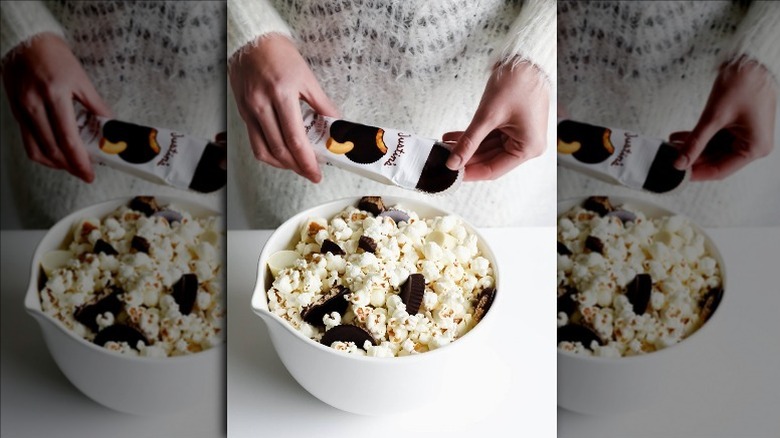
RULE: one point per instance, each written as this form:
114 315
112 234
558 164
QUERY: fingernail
454 162
681 163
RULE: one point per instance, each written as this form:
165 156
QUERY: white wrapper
155 154
619 156
386 155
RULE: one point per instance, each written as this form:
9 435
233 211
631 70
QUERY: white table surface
37 400
514 397
731 387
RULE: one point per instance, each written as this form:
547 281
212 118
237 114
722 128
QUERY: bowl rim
33 294
717 255
259 292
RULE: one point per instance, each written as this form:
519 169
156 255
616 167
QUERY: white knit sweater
649 67
418 66
155 63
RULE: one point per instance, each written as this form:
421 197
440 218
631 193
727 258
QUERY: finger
37 122
288 111
709 124
63 120
319 101
719 169
34 151
679 136
494 168
469 142
269 126
452 136
91 99
259 146
484 156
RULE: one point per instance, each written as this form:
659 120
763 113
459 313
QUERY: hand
509 127
41 81
268 81
736 127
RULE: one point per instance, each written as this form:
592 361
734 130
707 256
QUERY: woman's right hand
268 82
41 80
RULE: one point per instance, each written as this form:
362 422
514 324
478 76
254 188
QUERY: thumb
694 145
317 99
469 142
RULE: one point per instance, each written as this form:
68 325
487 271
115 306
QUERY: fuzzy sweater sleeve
757 37
250 19
21 20
532 37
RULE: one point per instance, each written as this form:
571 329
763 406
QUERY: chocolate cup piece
594 244
334 301
591 138
139 148
578 333
367 244
211 172
663 176
87 314
366 149
104 247
145 204
329 246
563 249
638 292
169 215
598 204
397 216
371 204
436 176
625 216
140 244
412 293
347 333
484 301
184 292
710 302
120 333
566 302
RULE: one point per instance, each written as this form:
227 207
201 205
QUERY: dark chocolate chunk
371 204
347 333
397 216
566 302
185 291
211 173
625 216
329 246
578 333
563 249
638 292
87 314
367 244
169 215
104 247
710 302
145 204
436 176
598 204
412 293
594 244
663 176
484 301
334 301
140 244
120 333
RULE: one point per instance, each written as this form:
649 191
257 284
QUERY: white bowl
603 386
358 384
137 385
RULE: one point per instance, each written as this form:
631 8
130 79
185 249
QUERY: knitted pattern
416 66
154 63
649 67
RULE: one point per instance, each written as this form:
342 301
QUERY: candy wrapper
386 155
155 154
618 156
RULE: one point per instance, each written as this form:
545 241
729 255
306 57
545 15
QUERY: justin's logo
360 143
133 143
587 143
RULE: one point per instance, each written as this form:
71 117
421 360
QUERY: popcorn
136 289
612 305
454 270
